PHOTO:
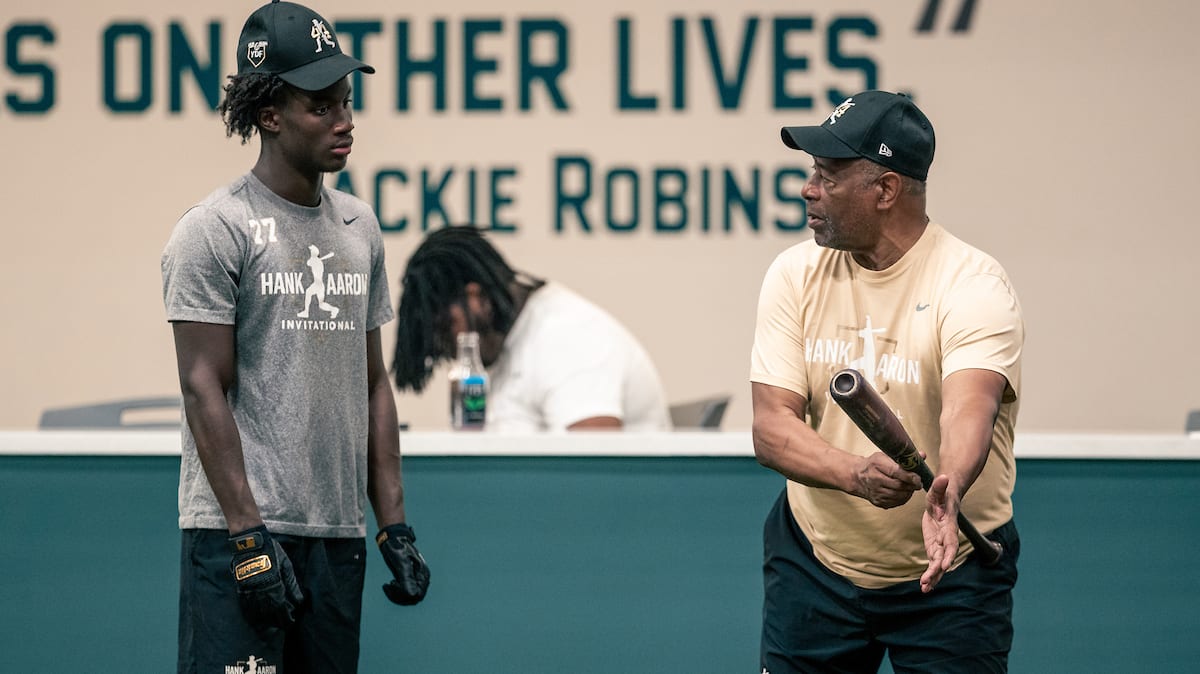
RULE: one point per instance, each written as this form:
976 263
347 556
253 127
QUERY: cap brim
323 73
817 141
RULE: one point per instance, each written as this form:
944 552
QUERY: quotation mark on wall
962 23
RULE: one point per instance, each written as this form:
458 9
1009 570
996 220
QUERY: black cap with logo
886 128
295 43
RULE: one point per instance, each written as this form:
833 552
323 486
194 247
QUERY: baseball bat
867 409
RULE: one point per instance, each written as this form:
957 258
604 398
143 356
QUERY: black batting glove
407 565
266 585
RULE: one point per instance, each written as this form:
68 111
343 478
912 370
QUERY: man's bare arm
205 356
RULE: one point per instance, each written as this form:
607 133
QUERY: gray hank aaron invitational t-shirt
302 286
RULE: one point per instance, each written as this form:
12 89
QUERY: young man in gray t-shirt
276 290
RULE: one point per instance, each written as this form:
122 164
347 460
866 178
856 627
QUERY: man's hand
939 526
266 584
406 563
883 482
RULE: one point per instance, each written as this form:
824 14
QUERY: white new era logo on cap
884 150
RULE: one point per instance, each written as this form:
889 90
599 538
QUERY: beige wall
1066 145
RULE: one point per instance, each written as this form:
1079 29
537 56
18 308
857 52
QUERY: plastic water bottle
468 385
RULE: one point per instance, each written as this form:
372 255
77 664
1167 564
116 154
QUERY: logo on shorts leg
251 665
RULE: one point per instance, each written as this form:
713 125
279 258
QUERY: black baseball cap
295 43
886 128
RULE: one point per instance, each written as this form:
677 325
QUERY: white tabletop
594 443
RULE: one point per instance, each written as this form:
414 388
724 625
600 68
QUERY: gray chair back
703 413
109 415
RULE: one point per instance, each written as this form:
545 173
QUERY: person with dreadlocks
290 419
556 360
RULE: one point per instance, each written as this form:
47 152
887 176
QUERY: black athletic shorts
816 621
215 637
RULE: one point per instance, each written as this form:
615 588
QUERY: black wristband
399 530
251 539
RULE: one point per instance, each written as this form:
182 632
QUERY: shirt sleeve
201 269
983 329
777 357
379 310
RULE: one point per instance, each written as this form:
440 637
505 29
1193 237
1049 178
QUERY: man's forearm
792 448
219 447
963 454
971 402
385 485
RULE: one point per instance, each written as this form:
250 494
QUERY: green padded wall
581 565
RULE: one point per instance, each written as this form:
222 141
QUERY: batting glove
406 563
266 585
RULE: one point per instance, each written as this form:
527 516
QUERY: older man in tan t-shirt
855 567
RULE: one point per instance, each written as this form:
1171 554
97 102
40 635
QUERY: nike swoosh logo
349 220
920 307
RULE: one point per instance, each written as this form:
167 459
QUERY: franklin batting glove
407 565
266 584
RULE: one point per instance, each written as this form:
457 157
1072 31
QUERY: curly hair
245 95
436 278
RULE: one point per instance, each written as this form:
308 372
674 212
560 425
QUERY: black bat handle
989 550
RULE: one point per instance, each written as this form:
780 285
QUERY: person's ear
268 119
890 186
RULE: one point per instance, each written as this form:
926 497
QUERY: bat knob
845 382
991 553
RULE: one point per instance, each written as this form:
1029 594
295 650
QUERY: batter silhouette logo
251 665
317 296
316 290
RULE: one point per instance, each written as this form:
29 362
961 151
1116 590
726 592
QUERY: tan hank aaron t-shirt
944 306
